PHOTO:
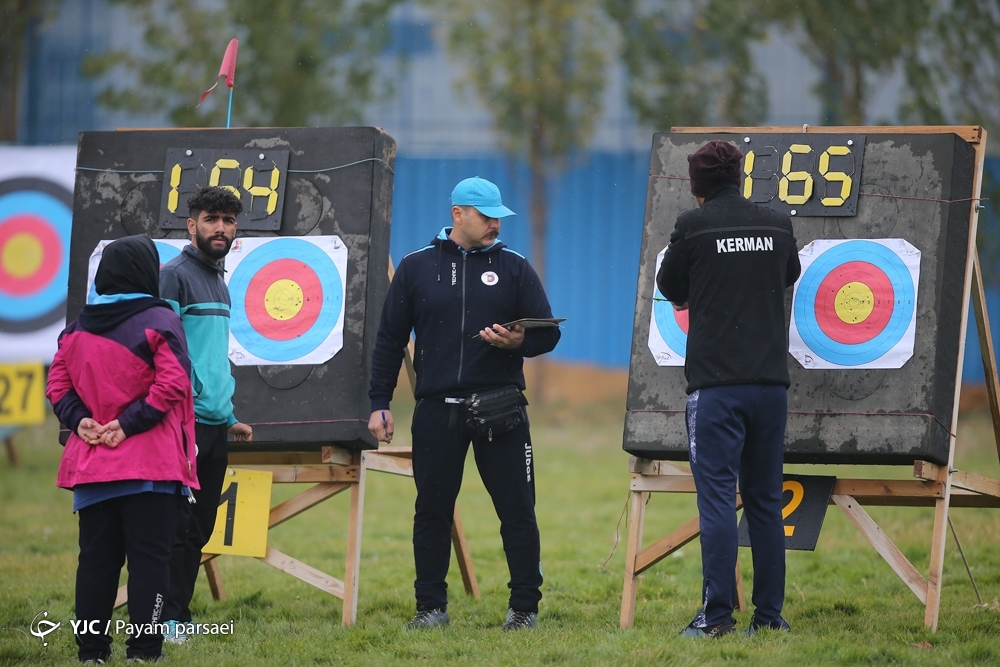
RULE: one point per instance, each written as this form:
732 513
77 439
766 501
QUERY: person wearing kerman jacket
120 381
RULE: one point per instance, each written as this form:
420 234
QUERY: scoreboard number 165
811 175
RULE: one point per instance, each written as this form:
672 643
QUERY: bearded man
192 283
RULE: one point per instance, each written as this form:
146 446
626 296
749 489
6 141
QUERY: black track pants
197 521
507 468
141 528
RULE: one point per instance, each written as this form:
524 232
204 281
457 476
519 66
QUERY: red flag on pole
227 70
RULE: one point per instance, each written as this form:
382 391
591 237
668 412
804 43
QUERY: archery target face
166 248
667 327
288 299
854 305
36 214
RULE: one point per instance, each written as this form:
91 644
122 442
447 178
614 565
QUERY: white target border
336 250
899 353
663 354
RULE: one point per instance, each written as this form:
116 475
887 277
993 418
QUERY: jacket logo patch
454 274
490 278
748 244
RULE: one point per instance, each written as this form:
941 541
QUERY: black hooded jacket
731 261
129 265
447 295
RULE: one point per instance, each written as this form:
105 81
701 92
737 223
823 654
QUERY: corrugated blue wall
595 229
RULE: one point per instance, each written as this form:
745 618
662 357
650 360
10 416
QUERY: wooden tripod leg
464 557
937 552
214 577
638 503
353 569
12 456
741 596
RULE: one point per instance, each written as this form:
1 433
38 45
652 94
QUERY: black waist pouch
495 411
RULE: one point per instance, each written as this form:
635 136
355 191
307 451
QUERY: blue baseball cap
481 195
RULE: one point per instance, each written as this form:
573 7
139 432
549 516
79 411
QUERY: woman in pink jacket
120 383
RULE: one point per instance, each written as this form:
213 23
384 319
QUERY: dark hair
214 199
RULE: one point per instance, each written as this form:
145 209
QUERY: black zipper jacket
447 295
731 261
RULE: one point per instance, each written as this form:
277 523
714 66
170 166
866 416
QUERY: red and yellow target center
283 299
854 303
22 255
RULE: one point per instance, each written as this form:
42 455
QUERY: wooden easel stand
939 486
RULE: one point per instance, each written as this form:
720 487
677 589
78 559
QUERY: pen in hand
385 426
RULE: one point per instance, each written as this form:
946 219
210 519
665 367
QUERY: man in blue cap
453 294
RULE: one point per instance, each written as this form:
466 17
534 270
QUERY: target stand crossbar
934 485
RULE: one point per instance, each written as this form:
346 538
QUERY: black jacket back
731 260
446 295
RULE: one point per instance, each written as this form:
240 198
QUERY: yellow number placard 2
22 394
244 508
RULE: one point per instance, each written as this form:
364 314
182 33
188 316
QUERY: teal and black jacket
196 290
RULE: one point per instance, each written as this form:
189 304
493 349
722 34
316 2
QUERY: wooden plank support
469 579
306 573
239 459
986 345
393 465
638 502
214 577
308 474
973 134
298 504
353 568
663 483
666 545
883 545
741 596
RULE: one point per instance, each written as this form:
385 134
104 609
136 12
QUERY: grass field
843 602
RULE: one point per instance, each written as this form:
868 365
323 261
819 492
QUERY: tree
850 42
301 62
538 67
19 17
690 61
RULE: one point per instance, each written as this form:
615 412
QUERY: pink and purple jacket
139 373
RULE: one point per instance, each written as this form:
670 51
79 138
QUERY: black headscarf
130 265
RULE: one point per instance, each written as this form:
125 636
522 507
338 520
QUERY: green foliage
18 17
300 62
850 42
690 62
538 66
953 67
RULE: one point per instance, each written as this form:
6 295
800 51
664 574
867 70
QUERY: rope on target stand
964 560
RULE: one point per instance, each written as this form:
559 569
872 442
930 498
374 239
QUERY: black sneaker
780 626
519 620
709 631
429 618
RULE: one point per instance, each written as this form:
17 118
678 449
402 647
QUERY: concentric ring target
35 225
166 249
672 324
287 298
854 302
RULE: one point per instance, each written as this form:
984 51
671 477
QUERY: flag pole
229 113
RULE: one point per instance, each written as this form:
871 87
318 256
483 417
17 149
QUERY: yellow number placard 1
244 508
22 394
